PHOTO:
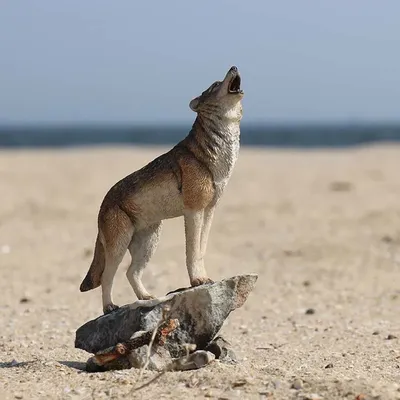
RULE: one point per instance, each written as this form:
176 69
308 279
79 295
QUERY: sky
132 61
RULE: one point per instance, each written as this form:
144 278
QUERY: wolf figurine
186 181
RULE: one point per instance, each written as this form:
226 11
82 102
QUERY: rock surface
201 312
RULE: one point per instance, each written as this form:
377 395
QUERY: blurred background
314 73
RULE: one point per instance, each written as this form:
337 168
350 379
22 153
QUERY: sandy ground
322 230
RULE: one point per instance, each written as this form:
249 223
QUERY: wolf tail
93 277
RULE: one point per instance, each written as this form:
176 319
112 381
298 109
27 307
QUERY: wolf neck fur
217 130
217 140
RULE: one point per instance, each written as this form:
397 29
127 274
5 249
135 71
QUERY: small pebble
306 283
312 396
24 300
297 384
310 311
265 395
292 253
244 329
276 384
341 186
387 239
18 396
391 337
330 365
375 333
239 383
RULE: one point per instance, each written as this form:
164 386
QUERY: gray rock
297 384
201 312
196 360
159 358
222 350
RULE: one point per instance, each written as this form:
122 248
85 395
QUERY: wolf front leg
205 231
194 258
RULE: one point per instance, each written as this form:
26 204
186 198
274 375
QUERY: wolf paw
201 281
109 308
148 297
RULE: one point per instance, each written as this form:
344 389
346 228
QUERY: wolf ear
194 104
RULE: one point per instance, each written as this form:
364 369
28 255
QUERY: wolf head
222 98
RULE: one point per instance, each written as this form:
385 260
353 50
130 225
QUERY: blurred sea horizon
303 135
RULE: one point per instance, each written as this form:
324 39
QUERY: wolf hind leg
142 247
116 234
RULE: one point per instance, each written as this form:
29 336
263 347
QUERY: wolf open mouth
234 86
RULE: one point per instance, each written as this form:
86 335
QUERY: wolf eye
214 85
211 88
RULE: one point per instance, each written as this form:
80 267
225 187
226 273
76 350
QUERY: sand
321 228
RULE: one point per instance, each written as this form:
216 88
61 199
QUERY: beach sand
321 228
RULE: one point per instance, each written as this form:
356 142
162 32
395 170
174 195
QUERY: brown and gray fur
186 181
